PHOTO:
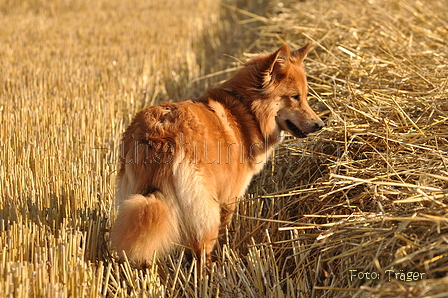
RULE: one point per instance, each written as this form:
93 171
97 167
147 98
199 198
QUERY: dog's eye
296 97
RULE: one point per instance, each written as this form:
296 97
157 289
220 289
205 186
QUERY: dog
185 164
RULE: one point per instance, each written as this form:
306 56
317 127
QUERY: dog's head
278 92
294 115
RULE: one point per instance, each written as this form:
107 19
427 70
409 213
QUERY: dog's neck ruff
234 94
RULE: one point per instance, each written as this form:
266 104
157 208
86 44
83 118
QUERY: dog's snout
318 125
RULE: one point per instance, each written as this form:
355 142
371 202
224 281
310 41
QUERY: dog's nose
318 125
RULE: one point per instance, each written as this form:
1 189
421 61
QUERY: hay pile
361 208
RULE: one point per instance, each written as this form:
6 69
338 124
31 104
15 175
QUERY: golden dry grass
369 193
73 74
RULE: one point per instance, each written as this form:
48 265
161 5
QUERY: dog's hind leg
206 243
200 221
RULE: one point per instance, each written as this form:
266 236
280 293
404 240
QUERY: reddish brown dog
185 164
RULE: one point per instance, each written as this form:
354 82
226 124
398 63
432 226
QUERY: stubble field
358 210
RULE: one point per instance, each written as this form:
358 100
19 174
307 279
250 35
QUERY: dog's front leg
227 212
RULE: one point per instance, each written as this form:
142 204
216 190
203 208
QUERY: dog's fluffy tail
144 225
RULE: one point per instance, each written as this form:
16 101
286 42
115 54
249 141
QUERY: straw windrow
370 192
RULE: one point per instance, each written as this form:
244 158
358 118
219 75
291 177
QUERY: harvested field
358 210
366 204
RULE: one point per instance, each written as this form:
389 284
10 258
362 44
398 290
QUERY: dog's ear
300 54
276 64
